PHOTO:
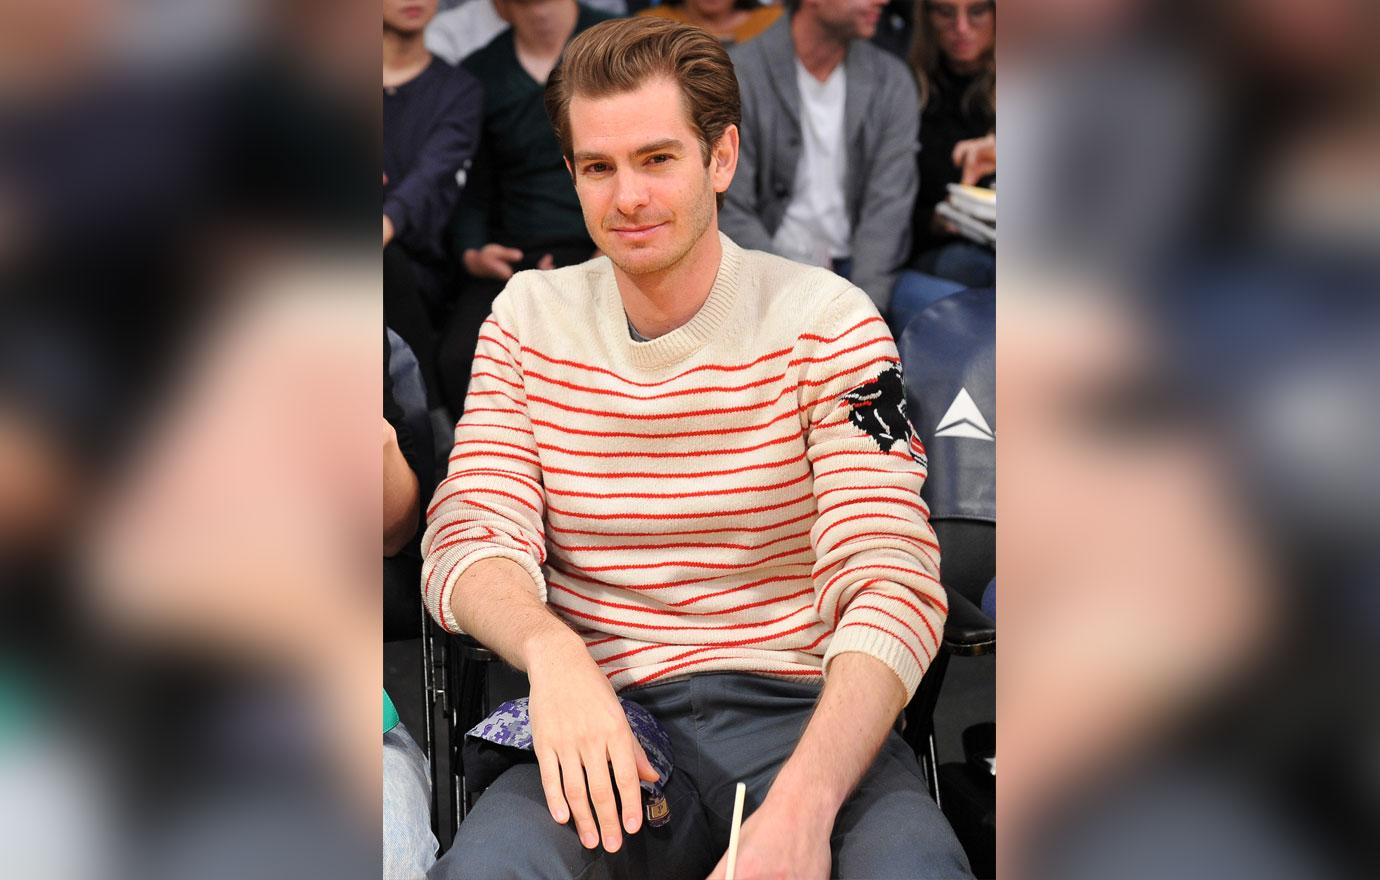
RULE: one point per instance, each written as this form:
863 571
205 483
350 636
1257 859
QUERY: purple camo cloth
509 725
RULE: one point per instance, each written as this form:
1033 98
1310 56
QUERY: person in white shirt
827 174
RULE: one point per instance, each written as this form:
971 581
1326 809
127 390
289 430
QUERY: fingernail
589 840
561 816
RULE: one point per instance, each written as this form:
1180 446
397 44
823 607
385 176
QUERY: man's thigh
891 828
510 834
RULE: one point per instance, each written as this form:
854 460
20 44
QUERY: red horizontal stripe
680 563
863 323
688 663
683 392
487 375
857 516
527 461
676 545
738 589
929 655
681 532
683 475
673 612
659 627
516 428
908 648
669 435
794 435
480 489
669 584
682 515
660 496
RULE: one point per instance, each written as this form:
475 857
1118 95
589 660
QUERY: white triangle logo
964 419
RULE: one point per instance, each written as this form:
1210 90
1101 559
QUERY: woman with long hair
953 57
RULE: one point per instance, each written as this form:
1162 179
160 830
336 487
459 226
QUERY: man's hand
387 230
492 261
578 730
785 840
977 158
546 262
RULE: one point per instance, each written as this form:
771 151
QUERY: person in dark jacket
953 58
431 118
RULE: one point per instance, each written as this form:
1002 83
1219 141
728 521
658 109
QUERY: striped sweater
741 494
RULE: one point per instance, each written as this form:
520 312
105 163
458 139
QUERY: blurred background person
468 25
953 58
732 21
431 118
519 209
826 173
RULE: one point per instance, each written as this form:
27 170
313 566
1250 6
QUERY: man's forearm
494 601
857 709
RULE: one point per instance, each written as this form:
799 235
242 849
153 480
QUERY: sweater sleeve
877 572
492 501
421 204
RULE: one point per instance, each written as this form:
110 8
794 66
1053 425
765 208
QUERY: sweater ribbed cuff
441 610
885 647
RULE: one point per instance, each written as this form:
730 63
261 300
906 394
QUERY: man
827 166
670 466
519 209
470 24
431 114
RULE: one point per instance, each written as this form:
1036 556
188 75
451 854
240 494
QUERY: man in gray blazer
826 168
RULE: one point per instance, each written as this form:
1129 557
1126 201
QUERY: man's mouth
639 231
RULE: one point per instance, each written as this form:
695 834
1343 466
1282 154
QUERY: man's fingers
625 774
551 785
546 262
645 770
511 255
573 784
601 792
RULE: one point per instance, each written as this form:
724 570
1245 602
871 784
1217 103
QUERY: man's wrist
555 646
810 805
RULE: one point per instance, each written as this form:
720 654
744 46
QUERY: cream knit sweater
741 494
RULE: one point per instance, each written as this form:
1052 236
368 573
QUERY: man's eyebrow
654 147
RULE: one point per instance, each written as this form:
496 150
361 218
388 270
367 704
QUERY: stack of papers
973 209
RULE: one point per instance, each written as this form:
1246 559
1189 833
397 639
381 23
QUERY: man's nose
631 195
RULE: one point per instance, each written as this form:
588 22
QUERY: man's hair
619 56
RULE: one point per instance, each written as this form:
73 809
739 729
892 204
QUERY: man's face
407 16
966 29
647 196
849 19
535 19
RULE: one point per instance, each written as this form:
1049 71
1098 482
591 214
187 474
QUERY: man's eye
596 168
660 159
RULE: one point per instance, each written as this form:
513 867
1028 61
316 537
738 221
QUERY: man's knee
510 834
891 828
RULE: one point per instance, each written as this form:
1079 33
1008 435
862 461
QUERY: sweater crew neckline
691 336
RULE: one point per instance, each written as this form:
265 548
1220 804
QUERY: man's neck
818 50
404 56
664 301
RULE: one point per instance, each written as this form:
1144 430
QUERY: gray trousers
724 728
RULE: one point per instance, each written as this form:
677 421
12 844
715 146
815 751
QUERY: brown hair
618 56
979 99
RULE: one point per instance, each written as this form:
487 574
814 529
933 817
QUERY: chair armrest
968 631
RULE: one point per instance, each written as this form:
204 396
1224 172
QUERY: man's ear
570 168
723 159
